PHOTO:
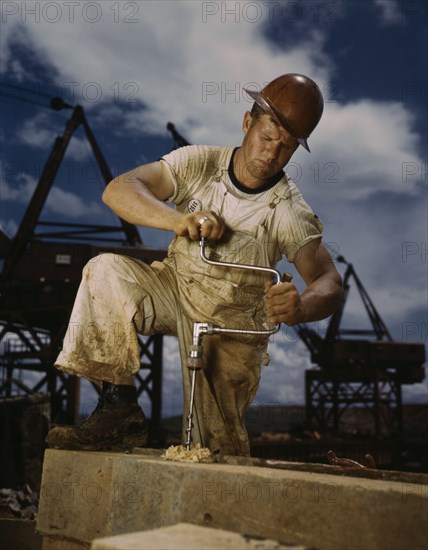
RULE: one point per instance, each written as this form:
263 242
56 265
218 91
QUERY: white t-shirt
262 226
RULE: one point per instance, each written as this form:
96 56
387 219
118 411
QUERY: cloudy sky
134 66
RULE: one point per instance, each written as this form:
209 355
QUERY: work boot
117 423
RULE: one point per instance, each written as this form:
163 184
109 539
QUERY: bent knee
104 262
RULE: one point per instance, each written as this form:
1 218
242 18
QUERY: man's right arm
138 197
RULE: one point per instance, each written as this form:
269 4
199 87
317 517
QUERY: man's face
266 148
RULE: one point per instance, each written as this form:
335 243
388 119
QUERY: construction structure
41 271
358 367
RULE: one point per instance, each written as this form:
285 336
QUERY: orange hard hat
295 102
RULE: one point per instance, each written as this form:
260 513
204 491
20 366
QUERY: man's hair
256 113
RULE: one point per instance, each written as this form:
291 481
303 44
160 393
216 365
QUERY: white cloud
17 70
363 148
282 382
172 397
35 133
173 59
190 66
78 150
20 190
41 132
58 201
69 204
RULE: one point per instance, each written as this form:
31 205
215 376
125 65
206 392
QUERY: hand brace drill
195 361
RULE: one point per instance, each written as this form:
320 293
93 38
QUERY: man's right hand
140 196
190 225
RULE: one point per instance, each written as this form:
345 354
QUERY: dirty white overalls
120 296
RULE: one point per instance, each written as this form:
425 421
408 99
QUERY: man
241 201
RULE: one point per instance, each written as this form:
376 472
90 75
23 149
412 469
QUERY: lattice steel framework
330 394
38 284
363 368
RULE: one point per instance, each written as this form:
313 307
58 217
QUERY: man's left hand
284 304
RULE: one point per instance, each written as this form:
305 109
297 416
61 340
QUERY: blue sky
134 66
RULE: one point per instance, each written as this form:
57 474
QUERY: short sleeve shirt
201 178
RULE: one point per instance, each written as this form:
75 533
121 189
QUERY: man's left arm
322 296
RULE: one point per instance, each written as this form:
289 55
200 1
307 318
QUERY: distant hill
356 420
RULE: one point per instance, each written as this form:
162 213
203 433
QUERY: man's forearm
131 200
138 197
322 297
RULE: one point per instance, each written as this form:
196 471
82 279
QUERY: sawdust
195 454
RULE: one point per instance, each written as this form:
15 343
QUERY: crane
41 271
358 367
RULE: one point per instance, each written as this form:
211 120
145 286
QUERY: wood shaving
195 454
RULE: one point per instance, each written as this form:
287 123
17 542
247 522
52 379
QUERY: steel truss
330 394
39 279
358 368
